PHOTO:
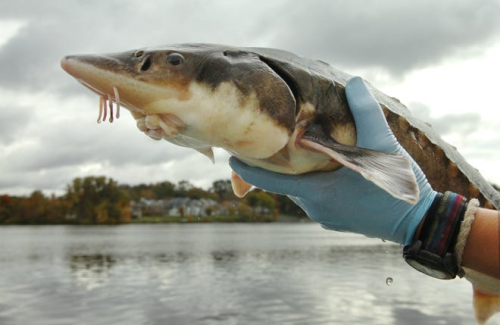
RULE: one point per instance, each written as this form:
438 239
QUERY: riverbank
216 218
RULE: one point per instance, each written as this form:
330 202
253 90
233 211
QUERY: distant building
177 207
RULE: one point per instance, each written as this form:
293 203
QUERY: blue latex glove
343 200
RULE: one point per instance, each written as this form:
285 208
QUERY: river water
216 274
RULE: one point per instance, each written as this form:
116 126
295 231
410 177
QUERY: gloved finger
273 182
371 125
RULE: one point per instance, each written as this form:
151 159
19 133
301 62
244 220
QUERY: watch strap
442 223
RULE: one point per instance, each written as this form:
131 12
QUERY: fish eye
175 59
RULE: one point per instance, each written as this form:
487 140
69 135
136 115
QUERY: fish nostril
146 64
138 54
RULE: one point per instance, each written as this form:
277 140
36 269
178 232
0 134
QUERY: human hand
343 200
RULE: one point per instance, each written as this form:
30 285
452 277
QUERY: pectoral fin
207 152
240 187
391 172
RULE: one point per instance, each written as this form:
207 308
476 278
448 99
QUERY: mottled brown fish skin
442 173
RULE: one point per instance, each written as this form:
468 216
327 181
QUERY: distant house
191 207
176 207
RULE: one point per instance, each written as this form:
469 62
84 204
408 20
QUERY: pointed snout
98 73
78 65
67 62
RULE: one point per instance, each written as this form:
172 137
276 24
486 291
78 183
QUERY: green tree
58 210
164 190
288 207
36 208
5 208
196 193
260 198
224 189
97 200
245 213
182 188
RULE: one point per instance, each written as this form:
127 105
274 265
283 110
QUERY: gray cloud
397 36
54 179
70 27
77 141
45 147
12 122
465 123
392 35
45 151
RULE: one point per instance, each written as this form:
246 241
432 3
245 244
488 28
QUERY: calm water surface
216 274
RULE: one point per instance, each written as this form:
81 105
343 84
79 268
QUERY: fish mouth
160 126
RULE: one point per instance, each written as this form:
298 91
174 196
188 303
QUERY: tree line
101 200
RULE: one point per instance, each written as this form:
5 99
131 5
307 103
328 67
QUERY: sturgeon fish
275 110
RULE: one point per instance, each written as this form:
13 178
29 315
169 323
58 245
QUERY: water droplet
389 281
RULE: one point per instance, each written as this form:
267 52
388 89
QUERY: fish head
198 96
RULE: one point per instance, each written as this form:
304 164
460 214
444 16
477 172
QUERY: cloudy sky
440 58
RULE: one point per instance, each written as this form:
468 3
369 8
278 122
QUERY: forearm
482 249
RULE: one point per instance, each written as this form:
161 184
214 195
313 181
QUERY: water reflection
91 271
215 274
225 256
95 263
409 316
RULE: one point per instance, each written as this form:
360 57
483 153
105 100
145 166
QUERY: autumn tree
97 200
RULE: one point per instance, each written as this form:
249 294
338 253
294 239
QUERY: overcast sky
440 58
